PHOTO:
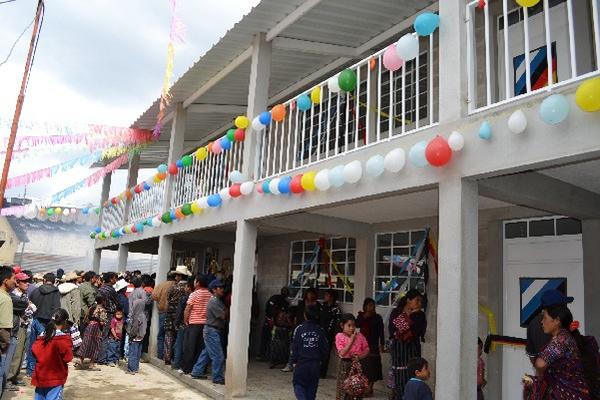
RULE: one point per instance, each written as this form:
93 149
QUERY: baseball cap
553 297
215 284
21 276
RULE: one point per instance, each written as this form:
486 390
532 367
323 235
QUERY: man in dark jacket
46 298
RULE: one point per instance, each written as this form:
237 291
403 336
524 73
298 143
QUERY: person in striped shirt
195 318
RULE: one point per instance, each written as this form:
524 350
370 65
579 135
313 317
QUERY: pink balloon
391 61
216 147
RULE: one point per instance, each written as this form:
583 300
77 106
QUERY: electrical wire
17 41
6 1
37 39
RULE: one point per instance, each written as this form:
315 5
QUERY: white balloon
456 141
336 176
322 180
333 84
352 171
394 160
407 47
274 186
375 165
236 177
203 202
256 125
156 221
517 122
224 193
66 212
246 188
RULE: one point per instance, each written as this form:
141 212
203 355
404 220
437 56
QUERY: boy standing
137 331
416 388
115 337
309 350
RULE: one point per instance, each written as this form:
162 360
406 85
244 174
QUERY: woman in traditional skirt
350 345
96 319
407 325
279 348
371 326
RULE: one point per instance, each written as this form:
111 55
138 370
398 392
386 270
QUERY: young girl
95 319
371 326
350 345
53 350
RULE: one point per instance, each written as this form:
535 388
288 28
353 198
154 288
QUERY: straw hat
69 276
181 270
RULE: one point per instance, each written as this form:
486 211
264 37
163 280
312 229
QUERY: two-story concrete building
515 211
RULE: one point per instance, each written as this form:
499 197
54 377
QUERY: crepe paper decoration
491 318
176 36
481 4
12 211
493 340
49 172
339 274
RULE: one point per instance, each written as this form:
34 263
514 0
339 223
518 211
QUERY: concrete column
96 260
591 275
495 303
452 60
132 176
457 318
165 248
175 149
123 253
239 326
104 196
258 95
363 272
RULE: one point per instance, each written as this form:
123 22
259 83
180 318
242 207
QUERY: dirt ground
113 383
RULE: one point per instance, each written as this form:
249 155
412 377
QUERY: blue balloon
147 186
179 164
265 118
225 143
121 232
139 226
149 221
485 131
85 211
426 23
336 176
265 186
98 230
173 215
285 185
416 155
214 200
162 168
554 109
304 102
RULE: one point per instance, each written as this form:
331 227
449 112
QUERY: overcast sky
98 61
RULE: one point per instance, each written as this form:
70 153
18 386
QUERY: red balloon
173 169
296 184
239 135
133 229
438 153
137 189
235 191
114 200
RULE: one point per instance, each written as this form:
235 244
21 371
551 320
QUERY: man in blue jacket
309 350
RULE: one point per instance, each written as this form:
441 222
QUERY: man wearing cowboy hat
174 339
160 294
70 296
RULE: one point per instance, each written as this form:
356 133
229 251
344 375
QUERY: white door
532 265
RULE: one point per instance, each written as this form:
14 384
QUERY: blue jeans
113 350
37 327
178 349
135 352
49 393
160 339
212 352
6 361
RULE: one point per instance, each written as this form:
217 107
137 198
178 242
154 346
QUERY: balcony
514 52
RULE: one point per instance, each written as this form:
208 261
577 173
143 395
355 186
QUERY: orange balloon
178 213
372 63
278 113
162 175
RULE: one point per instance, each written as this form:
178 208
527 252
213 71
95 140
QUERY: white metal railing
385 104
112 216
147 203
208 176
513 52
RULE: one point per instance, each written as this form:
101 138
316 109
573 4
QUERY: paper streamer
491 319
43 173
14 210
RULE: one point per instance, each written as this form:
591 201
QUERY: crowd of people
47 321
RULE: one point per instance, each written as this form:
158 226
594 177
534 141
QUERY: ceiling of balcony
350 23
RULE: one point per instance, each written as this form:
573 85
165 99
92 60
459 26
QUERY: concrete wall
11 244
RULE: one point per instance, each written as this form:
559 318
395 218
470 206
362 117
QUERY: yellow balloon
242 122
156 179
587 96
57 211
196 208
308 181
527 3
315 95
201 153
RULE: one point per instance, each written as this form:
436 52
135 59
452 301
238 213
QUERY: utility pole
21 99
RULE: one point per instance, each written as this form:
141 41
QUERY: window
539 227
312 267
391 252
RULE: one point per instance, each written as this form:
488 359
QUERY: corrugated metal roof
341 22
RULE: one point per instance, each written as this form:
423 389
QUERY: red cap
21 276
17 269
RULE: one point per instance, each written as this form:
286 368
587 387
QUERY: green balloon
347 80
113 234
231 135
93 235
186 209
50 212
187 160
97 210
166 218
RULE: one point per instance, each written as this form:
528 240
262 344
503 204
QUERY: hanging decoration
456 141
517 122
485 131
426 23
81 216
176 36
527 3
416 154
407 47
587 95
438 153
554 109
391 60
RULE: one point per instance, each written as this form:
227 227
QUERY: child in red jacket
53 350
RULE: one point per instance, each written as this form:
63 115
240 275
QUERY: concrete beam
591 275
321 224
175 149
541 192
291 18
307 46
216 109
